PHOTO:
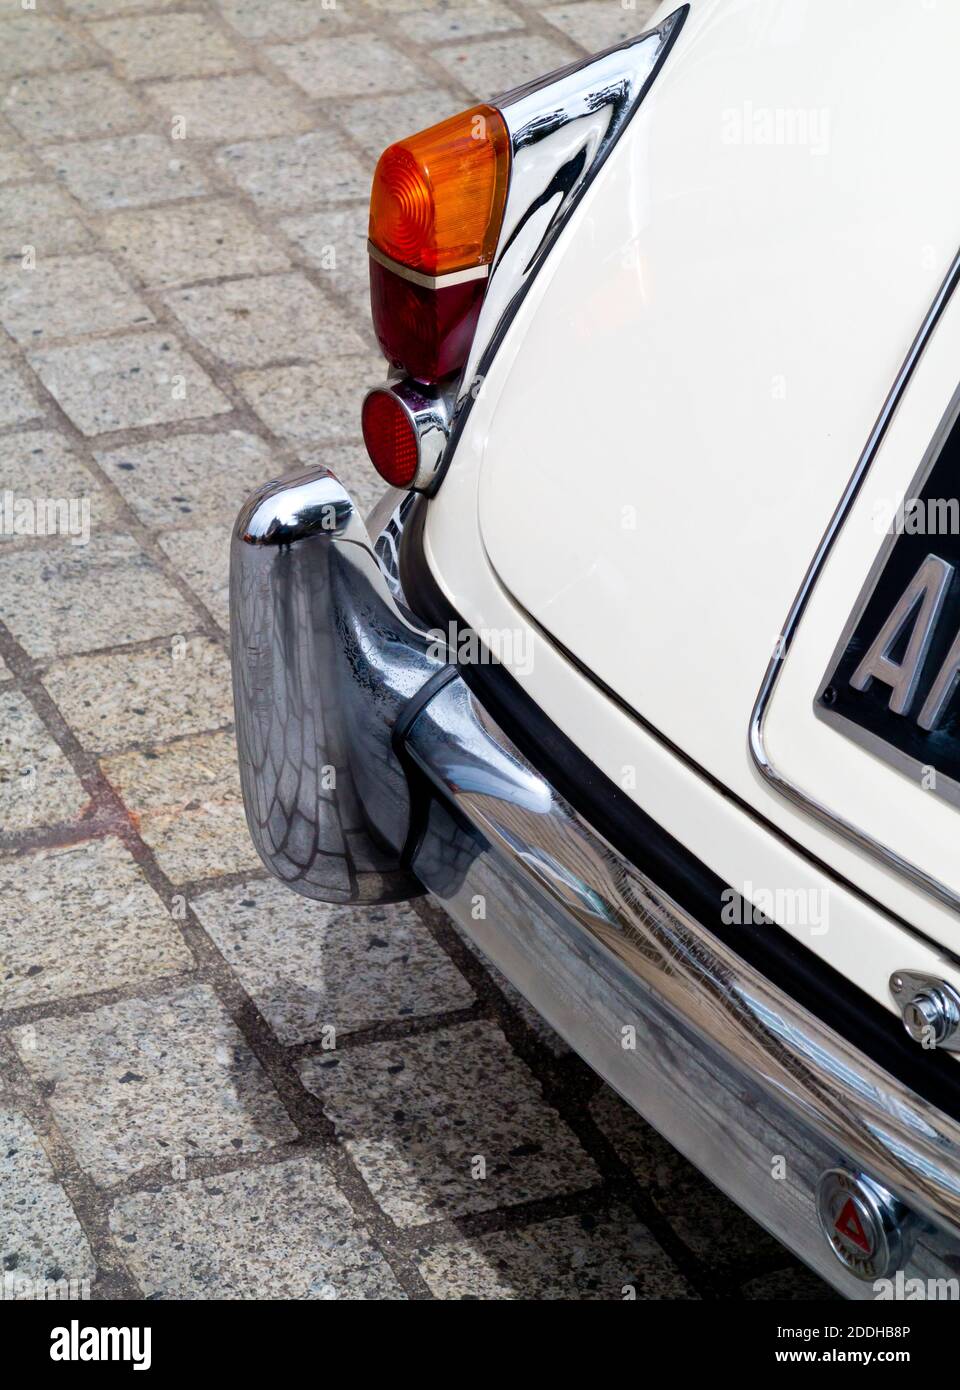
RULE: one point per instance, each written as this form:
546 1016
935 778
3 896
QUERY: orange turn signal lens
438 197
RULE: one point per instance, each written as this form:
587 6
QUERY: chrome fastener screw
926 1017
930 1009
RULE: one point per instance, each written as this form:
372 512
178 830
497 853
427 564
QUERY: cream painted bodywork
709 345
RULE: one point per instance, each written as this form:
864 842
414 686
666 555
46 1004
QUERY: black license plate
893 683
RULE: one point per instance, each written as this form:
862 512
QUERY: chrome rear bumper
369 768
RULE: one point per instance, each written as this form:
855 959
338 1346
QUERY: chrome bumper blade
329 675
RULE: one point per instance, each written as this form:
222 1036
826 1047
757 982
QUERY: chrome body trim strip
727 1066
806 801
945 785
429 282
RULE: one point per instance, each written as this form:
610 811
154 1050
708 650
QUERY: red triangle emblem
848 1225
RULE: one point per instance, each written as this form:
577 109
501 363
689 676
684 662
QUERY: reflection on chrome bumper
323 663
330 674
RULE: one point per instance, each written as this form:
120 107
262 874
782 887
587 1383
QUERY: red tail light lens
435 215
391 438
425 331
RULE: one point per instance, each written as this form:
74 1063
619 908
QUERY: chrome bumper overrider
370 769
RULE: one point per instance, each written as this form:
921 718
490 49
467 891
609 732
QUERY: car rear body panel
675 413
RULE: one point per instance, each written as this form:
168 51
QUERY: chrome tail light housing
560 129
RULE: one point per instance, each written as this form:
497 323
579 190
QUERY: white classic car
646 665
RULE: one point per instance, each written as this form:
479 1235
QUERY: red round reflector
391 438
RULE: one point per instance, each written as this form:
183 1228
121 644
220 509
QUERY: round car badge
867 1228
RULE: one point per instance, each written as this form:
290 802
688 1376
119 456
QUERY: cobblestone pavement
181 319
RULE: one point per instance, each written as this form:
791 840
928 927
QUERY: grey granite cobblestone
41 1240
316 970
143 1083
284 1231
82 920
447 1123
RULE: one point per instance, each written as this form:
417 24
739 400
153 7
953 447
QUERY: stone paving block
127 171
202 558
420 1116
37 784
81 919
575 1257
186 799
285 19
96 9
283 1231
247 106
295 171
344 67
40 1236
115 700
189 479
191 241
123 383
335 242
378 121
599 24
494 66
14 164
33 43
166 45
308 966
148 1082
708 1222
71 105
795 1284
316 401
40 215
66 296
251 322
19 402
60 600
434 21
39 464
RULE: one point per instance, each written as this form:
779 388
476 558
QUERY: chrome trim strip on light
328 669
794 793
429 282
